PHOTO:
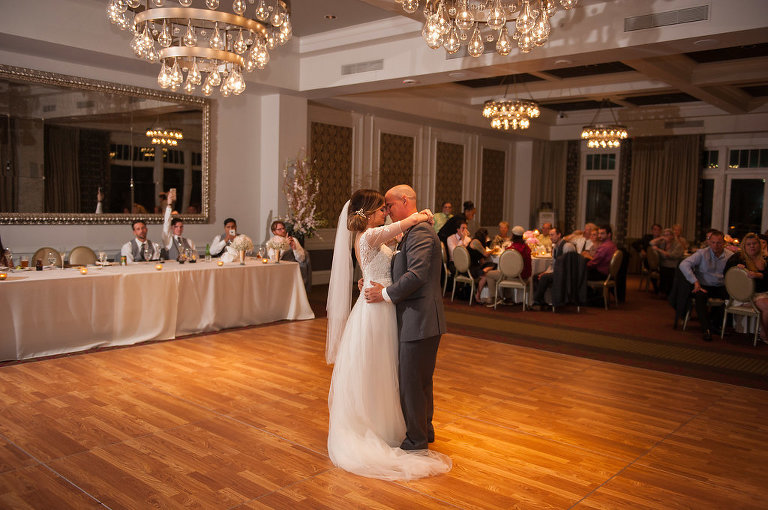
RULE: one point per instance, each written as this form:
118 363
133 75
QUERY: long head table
57 311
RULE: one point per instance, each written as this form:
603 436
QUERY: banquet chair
711 303
81 256
650 269
446 271
511 265
610 280
740 288
42 254
462 275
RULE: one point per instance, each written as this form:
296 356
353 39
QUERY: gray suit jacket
416 290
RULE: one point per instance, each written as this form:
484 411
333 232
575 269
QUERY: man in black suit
417 296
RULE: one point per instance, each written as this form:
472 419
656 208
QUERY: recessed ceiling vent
663 19
362 67
48 108
672 124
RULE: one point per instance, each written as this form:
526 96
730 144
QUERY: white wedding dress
366 421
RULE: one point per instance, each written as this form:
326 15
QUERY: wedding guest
6 258
459 238
592 244
480 259
751 260
140 248
174 242
670 252
641 245
600 263
704 270
677 229
492 277
443 216
502 239
544 280
543 237
581 238
280 235
220 242
452 225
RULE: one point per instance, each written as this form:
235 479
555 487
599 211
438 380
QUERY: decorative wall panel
331 155
449 174
572 186
492 201
395 161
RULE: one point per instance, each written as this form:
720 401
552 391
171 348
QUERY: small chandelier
604 136
196 40
163 136
506 114
453 23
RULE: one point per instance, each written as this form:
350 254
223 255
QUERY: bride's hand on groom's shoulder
430 217
373 293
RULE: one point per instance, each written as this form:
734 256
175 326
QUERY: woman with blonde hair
750 259
366 423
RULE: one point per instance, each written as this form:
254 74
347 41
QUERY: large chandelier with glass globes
514 113
213 45
472 23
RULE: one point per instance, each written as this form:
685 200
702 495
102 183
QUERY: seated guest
480 259
704 270
750 259
677 229
173 229
543 237
452 225
280 235
492 277
599 265
592 244
641 245
544 280
139 248
670 252
443 216
6 259
459 238
220 242
581 238
502 239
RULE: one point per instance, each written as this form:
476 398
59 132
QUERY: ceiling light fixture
510 113
194 40
604 136
472 23
163 136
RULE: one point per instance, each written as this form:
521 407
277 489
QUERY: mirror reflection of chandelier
203 39
163 136
472 23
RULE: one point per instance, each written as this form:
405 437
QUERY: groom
418 300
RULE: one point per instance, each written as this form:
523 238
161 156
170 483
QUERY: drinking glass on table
63 254
24 261
146 251
52 259
102 258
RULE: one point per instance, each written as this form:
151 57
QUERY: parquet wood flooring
238 419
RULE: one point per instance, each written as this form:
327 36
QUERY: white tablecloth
57 311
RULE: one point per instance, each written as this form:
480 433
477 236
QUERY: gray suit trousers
417 364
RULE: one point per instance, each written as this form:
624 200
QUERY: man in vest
221 241
173 229
140 248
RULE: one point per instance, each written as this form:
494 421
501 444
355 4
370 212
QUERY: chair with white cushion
741 289
461 262
511 264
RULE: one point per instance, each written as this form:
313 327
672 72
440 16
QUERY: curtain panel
664 182
548 183
62 173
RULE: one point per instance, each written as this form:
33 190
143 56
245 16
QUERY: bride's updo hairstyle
363 203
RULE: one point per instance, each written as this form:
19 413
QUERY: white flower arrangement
301 189
242 243
275 245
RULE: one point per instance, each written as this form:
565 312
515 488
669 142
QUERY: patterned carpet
638 332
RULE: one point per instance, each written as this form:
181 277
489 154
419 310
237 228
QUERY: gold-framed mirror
78 151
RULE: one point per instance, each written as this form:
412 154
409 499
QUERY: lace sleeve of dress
380 235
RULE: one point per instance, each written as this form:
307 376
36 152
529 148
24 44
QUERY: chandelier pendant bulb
232 42
604 136
526 21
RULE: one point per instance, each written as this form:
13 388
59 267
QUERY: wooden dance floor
238 420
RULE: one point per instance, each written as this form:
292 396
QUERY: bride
366 421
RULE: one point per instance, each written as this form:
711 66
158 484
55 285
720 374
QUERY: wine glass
52 258
63 254
102 258
146 251
260 253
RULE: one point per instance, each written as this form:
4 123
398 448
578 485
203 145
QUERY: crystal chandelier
506 114
453 23
604 136
163 136
203 39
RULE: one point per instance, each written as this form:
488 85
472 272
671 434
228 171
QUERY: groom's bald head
401 202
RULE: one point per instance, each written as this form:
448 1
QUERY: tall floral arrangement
301 188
